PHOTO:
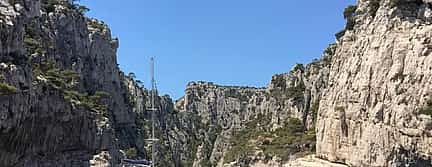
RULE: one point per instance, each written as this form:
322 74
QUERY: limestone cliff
377 101
64 101
256 116
58 67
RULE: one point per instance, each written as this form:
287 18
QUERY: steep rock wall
379 81
46 121
223 111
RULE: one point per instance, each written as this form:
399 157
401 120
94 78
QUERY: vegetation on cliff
5 88
400 3
349 14
131 152
427 109
66 82
257 139
283 91
49 6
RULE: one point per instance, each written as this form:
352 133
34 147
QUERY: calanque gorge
366 102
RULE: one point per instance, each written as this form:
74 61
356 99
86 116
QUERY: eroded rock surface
379 81
44 122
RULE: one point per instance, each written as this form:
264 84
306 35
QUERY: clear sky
229 42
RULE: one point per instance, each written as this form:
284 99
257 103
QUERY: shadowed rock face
363 97
38 126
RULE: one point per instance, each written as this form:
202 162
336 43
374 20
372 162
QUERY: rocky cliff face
378 87
55 64
255 116
64 101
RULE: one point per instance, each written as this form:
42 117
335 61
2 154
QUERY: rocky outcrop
379 81
61 63
225 111
52 118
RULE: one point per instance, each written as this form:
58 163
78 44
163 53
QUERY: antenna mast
153 109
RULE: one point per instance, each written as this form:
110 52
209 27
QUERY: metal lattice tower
153 109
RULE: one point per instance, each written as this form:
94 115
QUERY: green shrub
100 27
283 91
286 140
33 45
282 143
239 151
32 40
49 5
279 81
240 140
233 93
427 109
260 121
349 15
6 89
339 109
350 23
292 126
131 152
57 78
132 75
299 67
296 91
399 3
350 11
81 9
66 81
12 2
330 50
394 3
340 34
399 76
292 92
91 102
373 7
102 94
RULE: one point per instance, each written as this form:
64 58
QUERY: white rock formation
379 80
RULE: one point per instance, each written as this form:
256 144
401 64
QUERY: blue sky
229 42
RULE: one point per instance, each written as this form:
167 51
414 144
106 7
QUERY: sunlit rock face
223 111
379 81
